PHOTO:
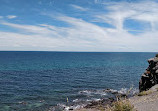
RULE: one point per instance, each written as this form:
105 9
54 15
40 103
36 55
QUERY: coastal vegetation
121 105
145 93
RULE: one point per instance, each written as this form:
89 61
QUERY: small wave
76 100
126 91
111 91
63 107
123 91
92 92
85 92
96 99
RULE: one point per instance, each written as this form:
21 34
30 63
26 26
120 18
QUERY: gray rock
150 76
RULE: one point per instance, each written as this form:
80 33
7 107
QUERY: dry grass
101 108
121 105
144 93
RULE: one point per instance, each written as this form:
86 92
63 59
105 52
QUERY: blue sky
79 25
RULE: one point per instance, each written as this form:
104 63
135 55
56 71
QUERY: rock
156 67
150 76
103 102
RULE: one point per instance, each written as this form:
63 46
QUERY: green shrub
156 55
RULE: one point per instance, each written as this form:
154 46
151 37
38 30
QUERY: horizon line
71 51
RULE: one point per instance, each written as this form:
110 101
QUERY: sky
79 25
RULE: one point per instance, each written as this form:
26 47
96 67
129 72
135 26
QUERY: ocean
38 81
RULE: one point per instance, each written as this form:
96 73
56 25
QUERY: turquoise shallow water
39 80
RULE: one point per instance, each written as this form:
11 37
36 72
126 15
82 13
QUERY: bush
144 93
121 105
156 55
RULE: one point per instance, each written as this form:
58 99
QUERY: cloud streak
83 35
79 7
11 16
119 12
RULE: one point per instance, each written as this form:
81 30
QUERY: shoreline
147 98
146 102
98 103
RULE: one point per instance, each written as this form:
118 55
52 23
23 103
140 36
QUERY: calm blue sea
36 81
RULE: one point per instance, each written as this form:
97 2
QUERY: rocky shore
94 105
147 100
150 76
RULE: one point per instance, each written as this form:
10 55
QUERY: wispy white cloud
120 11
28 28
79 7
42 37
82 35
11 16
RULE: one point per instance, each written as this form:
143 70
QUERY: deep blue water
36 81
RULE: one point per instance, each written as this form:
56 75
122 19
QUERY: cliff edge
150 76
